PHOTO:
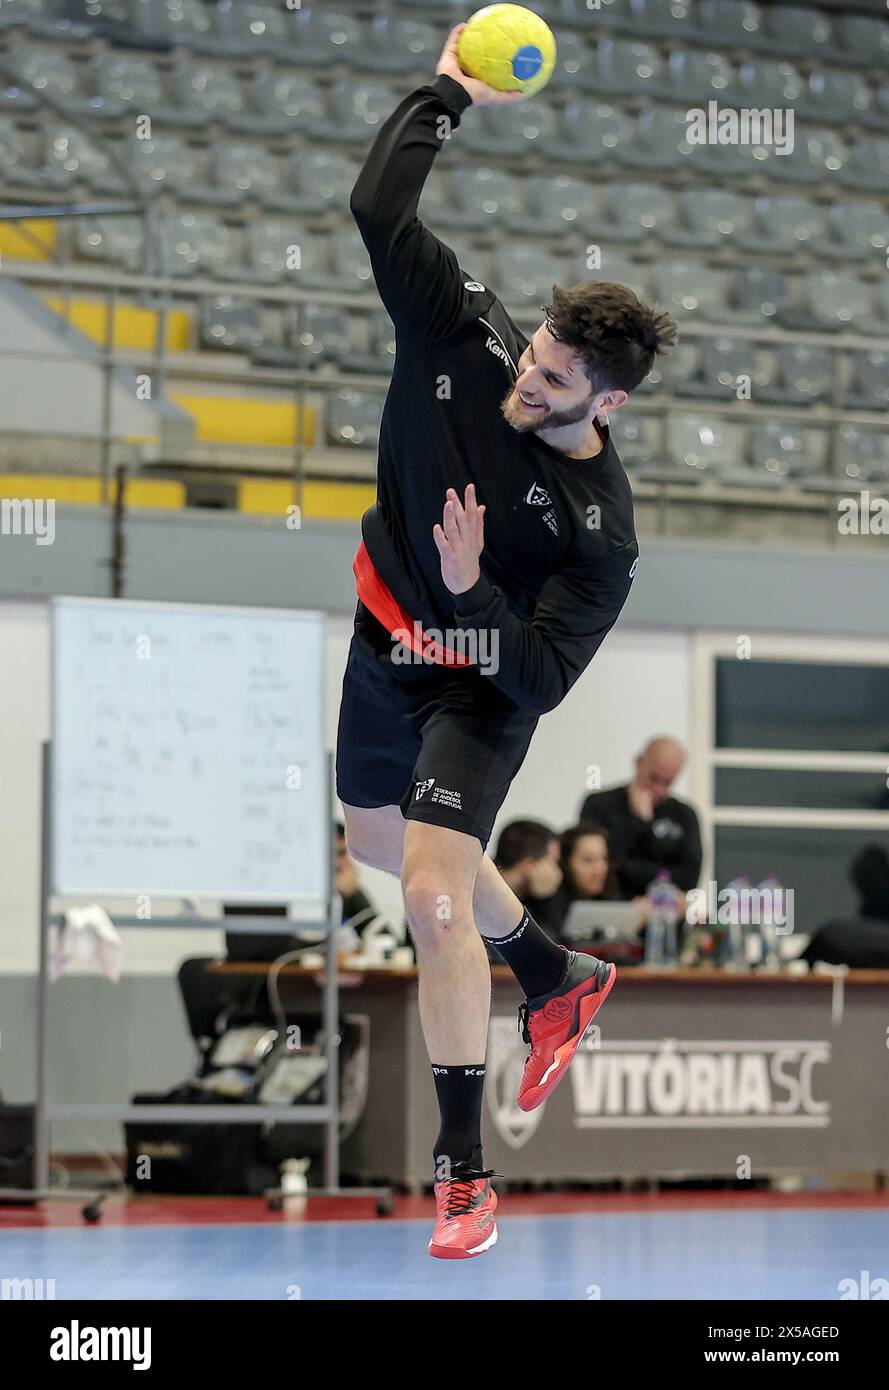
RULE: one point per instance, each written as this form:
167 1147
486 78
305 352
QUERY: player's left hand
460 540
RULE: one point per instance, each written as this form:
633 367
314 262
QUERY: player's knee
430 910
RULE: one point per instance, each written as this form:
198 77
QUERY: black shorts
443 743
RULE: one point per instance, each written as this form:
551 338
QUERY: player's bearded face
524 417
551 389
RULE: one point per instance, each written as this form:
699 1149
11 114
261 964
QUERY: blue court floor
754 1254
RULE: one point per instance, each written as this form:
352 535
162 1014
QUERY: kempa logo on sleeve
76 1343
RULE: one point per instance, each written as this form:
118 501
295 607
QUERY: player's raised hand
460 540
481 93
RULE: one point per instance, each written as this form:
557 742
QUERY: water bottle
771 896
660 929
734 941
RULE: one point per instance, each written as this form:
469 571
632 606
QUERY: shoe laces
460 1192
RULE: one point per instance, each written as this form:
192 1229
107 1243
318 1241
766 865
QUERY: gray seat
828 300
574 71
633 211
166 161
710 218
524 130
195 243
282 249
877 114
868 165
784 222
247 27
863 453
756 294
291 101
358 110
125 82
784 449
858 230
353 418
728 24
321 180
802 374
577 14
765 82
370 342
681 365
382 340
637 438
618 270
689 289
316 334
622 67
591 131
177 21
818 155
43 68
484 198
119 240
703 444
834 95
526 275
668 19
559 202
861 40
393 44
350 262
236 324
324 37
21 161
721 362
659 141
696 74
249 171
868 387
77 158
209 91
797 31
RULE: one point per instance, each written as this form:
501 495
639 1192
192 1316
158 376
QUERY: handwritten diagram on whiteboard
188 752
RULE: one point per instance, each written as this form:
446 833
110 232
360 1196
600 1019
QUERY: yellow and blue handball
509 47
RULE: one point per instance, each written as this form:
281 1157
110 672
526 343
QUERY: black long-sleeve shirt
640 849
560 547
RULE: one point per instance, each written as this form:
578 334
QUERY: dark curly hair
617 336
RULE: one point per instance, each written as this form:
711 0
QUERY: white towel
89 935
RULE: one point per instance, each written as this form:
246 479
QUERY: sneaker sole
563 1055
451 1252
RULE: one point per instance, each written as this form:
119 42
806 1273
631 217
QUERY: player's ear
612 400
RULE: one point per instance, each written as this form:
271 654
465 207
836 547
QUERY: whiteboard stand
326 1114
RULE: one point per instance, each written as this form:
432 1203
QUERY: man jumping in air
496 559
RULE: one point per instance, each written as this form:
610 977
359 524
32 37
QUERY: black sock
459 1090
533 957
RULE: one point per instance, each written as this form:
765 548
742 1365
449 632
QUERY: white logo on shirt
538 496
473 285
633 566
423 787
493 346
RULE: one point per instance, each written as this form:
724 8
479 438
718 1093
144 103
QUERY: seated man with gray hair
648 829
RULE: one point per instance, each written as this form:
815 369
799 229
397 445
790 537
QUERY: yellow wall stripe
135 328
240 420
140 492
15 246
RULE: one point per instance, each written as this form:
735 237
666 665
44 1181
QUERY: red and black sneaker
466 1203
553 1024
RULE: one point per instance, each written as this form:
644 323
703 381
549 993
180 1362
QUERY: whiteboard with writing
188 754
